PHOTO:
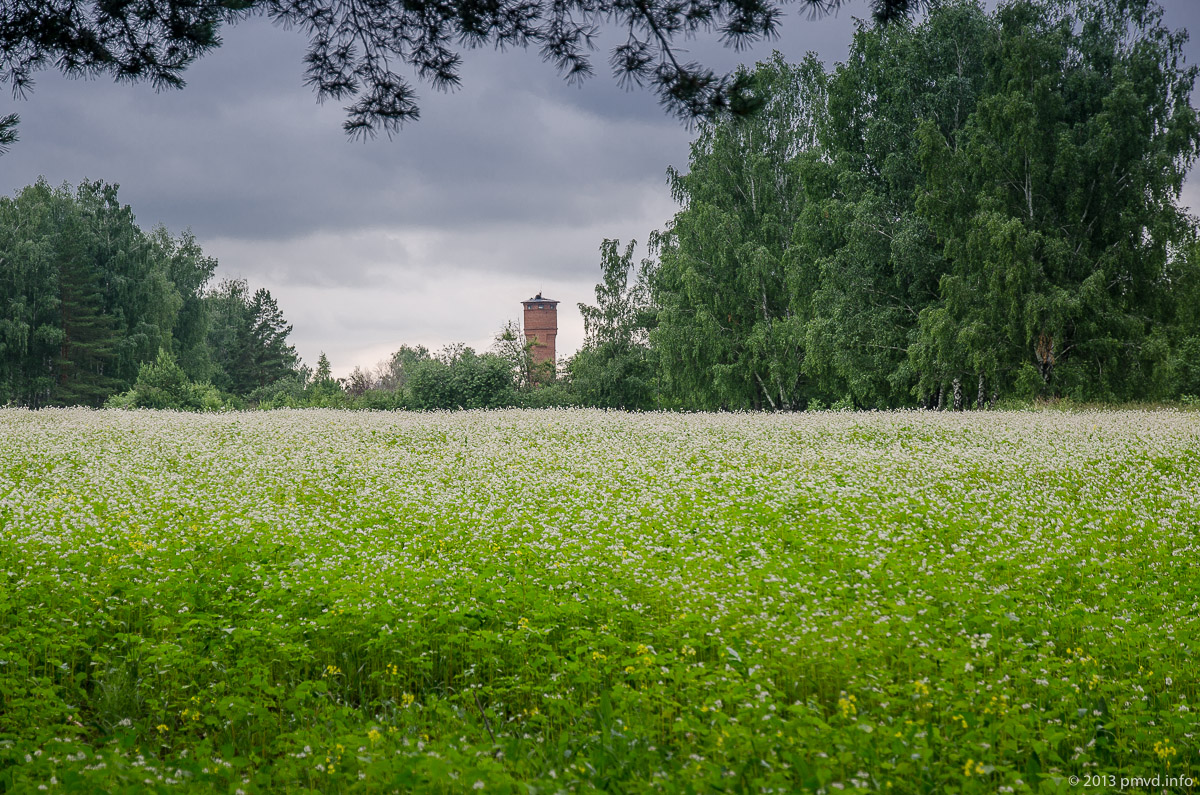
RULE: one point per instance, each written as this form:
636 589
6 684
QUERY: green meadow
580 601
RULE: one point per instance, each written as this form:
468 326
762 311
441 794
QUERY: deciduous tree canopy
976 206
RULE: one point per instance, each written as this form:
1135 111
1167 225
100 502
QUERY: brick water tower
541 327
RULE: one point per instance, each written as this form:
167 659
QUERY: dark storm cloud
245 151
262 160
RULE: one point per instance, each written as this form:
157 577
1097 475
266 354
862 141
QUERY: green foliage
512 346
189 271
869 257
323 391
614 369
8 131
971 208
287 392
162 384
89 298
1055 204
560 393
729 299
248 338
460 378
593 601
413 379
1187 366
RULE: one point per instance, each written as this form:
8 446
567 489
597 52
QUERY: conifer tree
272 356
87 298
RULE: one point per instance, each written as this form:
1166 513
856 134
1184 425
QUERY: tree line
973 208
90 299
415 378
970 208
97 312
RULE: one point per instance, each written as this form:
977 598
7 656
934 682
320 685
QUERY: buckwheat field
578 601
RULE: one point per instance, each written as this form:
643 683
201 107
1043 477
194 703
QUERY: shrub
162 384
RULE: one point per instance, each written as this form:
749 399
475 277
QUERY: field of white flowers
571 601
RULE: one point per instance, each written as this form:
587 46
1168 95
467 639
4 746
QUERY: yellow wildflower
1164 751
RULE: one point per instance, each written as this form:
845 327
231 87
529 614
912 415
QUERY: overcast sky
502 189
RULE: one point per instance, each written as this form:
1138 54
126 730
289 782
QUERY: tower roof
539 297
